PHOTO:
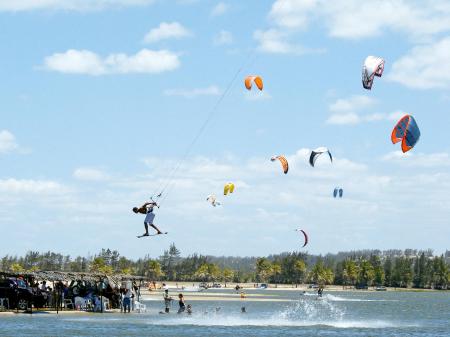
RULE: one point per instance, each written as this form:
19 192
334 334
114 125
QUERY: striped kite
406 131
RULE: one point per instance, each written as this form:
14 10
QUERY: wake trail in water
334 298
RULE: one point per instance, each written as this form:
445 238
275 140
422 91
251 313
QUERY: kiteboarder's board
142 236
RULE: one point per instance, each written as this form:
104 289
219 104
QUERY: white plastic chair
139 307
68 302
4 300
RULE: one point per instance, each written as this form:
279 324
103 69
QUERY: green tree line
392 268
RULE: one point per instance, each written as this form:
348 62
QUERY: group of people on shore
47 292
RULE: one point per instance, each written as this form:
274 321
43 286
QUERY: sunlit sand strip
189 298
206 294
287 287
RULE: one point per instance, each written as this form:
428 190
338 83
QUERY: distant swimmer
189 309
243 310
147 209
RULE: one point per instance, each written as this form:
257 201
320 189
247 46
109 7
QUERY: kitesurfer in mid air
147 209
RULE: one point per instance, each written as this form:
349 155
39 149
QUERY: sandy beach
191 293
189 286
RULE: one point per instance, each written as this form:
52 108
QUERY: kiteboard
141 236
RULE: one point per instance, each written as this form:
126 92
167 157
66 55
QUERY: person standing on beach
127 301
147 209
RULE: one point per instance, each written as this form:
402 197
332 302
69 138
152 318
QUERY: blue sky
100 100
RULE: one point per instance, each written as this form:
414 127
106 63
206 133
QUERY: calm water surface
337 314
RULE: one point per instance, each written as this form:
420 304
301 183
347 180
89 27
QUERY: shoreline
178 286
227 294
53 312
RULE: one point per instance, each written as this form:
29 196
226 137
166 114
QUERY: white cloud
292 13
72 5
257 95
395 116
90 174
350 19
7 142
30 186
352 118
354 103
347 111
395 155
275 41
165 31
220 9
212 90
348 118
371 213
76 62
411 159
424 67
89 63
271 41
224 37
347 165
187 2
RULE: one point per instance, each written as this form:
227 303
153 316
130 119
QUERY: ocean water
287 314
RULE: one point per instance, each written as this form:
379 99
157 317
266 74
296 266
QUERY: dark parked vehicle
19 294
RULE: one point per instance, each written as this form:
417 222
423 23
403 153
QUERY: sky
102 99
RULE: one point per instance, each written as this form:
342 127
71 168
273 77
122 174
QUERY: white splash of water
304 313
308 310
